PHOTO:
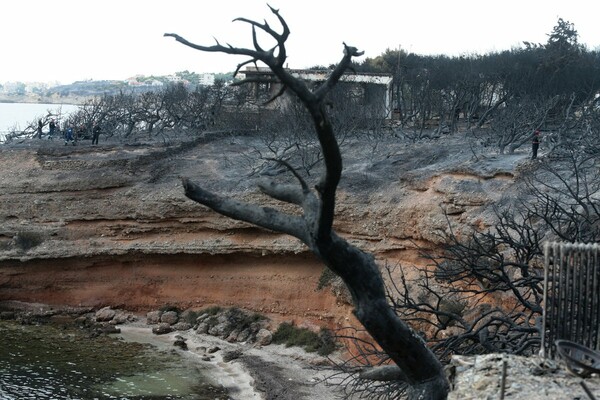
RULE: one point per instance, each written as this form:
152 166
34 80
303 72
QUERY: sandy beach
267 372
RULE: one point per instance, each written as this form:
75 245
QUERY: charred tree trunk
421 370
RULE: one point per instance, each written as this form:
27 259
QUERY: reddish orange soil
283 287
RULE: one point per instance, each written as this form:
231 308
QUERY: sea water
45 362
20 115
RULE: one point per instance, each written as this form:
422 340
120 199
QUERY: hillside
109 225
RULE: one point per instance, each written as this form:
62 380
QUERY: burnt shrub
321 343
26 240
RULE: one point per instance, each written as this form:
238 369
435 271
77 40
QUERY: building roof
321 75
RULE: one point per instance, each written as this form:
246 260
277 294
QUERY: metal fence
571 295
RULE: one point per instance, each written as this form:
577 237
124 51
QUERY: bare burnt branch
301 180
449 300
424 373
265 217
564 196
499 259
279 93
358 374
337 73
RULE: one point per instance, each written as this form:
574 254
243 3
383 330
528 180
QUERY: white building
206 79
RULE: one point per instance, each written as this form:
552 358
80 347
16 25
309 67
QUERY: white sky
69 40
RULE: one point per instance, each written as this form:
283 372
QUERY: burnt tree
484 294
418 368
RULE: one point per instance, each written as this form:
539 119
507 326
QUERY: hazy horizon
68 41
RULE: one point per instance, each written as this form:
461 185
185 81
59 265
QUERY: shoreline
247 371
269 372
231 376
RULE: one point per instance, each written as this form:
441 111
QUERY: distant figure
535 144
52 129
39 129
69 136
80 133
95 134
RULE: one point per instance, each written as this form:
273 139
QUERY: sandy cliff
109 225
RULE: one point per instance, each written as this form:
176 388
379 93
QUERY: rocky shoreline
251 368
241 360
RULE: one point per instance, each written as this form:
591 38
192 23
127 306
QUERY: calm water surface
53 362
19 115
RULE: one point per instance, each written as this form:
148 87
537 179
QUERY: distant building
206 79
133 82
368 89
175 79
141 81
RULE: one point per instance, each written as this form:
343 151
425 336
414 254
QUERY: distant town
77 92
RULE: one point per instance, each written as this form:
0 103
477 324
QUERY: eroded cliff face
110 225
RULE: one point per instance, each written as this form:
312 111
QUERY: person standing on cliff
52 128
80 132
535 144
39 129
69 136
95 134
